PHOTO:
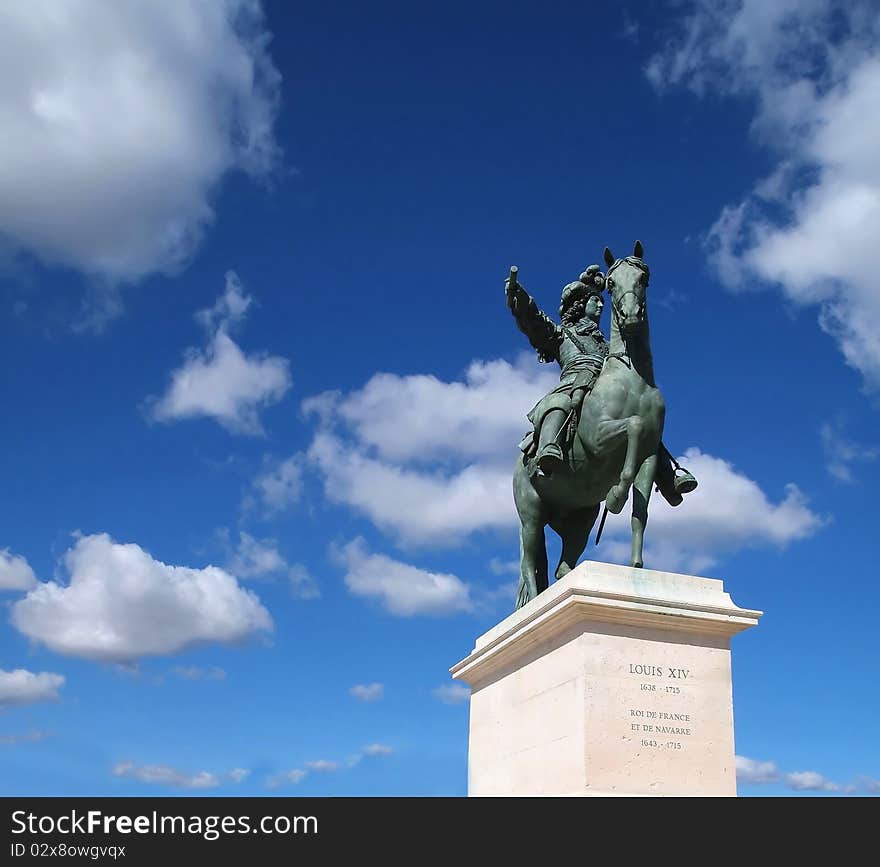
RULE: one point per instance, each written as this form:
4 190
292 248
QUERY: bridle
615 301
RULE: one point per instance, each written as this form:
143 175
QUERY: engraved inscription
653 724
659 671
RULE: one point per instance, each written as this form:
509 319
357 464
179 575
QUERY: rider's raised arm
543 333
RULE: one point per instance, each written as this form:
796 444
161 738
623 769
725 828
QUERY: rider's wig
591 282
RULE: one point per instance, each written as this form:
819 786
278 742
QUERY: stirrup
684 483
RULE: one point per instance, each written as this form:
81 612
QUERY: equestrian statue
599 432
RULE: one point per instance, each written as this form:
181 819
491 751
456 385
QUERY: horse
614 448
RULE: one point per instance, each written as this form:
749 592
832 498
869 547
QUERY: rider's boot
550 454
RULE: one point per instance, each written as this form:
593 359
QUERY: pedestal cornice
611 594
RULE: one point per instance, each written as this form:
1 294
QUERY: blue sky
262 394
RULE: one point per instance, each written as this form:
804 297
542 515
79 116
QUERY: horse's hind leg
574 530
532 544
642 486
532 560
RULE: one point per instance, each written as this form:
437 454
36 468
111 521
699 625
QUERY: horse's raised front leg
574 530
642 486
631 427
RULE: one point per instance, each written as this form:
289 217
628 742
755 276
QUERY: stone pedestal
615 681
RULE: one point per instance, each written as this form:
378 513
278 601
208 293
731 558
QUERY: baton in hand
511 286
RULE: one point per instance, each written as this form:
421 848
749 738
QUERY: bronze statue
598 433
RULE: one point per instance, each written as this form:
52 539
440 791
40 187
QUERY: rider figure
580 348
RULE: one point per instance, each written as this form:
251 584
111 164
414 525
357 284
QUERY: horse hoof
637 564
524 596
615 501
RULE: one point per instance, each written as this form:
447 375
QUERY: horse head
627 285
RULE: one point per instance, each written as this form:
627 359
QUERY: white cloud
467 429
812 226
256 558
302 584
194 672
260 558
727 512
367 691
842 453
437 507
810 781
420 418
20 687
377 750
120 604
757 772
297 775
452 693
753 771
30 737
403 590
497 566
322 766
223 383
229 309
119 122
15 572
164 775
220 381
281 486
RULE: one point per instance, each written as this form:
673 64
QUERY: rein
616 300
